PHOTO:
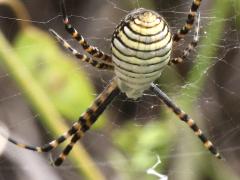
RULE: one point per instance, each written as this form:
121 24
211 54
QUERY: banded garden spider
141 48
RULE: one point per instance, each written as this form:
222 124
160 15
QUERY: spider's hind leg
189 22
191 46
94 62
92 50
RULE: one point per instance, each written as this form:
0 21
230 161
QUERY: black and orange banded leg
51 145
88 118
185 118
94 51
185 54
68 149
190 48
95 63
189 23
78 128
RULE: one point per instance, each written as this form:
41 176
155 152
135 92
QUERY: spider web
215 108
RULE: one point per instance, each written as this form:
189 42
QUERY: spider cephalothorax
141 48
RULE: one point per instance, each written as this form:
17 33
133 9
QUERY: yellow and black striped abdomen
141 48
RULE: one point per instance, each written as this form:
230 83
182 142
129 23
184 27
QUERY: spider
141 47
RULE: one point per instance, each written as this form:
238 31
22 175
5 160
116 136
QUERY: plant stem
20 11
40 102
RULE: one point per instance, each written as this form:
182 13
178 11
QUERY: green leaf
37 97
66 84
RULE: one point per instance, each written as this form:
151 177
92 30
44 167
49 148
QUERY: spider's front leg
48 146
88 118
185 118
68 148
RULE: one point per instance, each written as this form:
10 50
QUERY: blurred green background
43 89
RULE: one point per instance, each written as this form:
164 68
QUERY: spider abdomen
141 47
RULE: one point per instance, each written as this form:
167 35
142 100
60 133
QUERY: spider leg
190 48
51 145
82 57
185 118
94 51
83 124
189 22
90 116
68 148
185 54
